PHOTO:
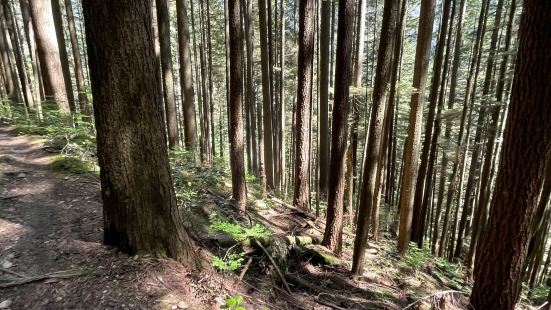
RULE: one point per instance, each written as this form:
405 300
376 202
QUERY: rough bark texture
186 77
235 104
526 141
373 146
163 24
422 55
304 100
10 75
332 237
140 210
48 53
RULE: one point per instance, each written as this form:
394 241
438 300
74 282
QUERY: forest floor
52 256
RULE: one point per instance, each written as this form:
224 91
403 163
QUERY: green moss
71 165
25 129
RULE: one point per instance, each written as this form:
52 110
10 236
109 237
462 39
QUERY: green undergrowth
239 232
70 137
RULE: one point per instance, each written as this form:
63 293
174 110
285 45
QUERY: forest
275 154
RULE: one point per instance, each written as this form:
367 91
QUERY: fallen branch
12 272
244 271
433 295
295 209
54 275
328 304
275 266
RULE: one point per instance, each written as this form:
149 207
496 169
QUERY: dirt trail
50 222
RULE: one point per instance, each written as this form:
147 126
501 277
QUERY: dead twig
433 295
244 271
326 303
275 266
54 275
12 272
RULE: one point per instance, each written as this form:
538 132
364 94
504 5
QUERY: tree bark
527 139
422 55
324 63
332 237
48 54
186 78
235 104
266 96
373 143
301 198
63 56
163 24
140 209
79 73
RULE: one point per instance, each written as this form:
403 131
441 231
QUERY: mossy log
284 247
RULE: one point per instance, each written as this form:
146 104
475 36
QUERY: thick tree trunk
163 24
235 104
140 210
332 237
48 54
186 78
373 143
526 141
301 198
422 56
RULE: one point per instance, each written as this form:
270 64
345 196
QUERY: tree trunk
251 96
419 209
422 55
332 237
140 209
186 78
304 100
10 31
163 22
266 95
235 104
79 73
324 63
48 54
10 75
373 143
526 140
63 56
473 74
38 89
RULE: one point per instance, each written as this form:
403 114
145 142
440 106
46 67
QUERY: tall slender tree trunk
422 55
375 135
419 209
235 103
324 64
332 237
251 96
38 89
304 100
526 140
163 22
63 55
266 95
48 54
186 77
8 23
79 73
140 209
473 74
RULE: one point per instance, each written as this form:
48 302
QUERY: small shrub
239 232
235 303
71 165
229 263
